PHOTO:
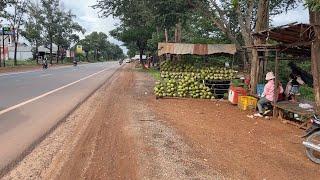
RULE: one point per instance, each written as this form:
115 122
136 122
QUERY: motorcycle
75 63
45 65
312 142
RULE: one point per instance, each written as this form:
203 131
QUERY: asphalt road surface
32 103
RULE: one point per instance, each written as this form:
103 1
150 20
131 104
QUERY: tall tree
136 18
171 14
97 44
314 13
246 16
16 20
66 29
50 10
33 28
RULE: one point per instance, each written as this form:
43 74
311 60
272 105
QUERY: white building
24 52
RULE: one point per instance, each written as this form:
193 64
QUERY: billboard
79 49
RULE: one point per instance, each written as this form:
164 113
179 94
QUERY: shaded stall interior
291 42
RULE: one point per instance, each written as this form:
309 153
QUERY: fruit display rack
218 87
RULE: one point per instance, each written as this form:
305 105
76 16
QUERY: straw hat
270 76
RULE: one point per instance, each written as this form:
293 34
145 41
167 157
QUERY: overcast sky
88 17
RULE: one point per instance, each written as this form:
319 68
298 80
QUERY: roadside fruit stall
191 79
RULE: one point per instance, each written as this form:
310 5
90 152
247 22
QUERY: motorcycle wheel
312 154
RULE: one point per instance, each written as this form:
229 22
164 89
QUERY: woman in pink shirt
267 95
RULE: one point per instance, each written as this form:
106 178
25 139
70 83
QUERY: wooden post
276 86
166 34
254 71
315 50
315 56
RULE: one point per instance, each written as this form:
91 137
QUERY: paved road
31 103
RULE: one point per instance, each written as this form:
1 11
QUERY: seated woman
292 88
268 94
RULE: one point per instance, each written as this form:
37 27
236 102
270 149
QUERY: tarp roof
289 34
196 49
293 38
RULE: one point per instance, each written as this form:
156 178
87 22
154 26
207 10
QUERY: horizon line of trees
47 22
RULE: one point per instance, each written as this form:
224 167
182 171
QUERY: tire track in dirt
116 135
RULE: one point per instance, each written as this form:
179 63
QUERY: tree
4 3
137 21
242 17
50 10
16 20
33 28
66 29
97 44
314 13
171 14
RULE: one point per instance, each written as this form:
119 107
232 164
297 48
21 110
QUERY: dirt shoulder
114 135
123 132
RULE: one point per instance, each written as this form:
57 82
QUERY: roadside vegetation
47 23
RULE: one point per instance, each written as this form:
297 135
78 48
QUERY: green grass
10 63
154 73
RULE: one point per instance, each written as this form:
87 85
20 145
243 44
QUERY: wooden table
293 107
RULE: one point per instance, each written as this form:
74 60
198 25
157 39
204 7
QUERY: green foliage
97 45
33 28
306 93
170 12
4 4
136 26
314 5
154 73
66 29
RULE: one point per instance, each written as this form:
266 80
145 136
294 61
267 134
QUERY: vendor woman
267 95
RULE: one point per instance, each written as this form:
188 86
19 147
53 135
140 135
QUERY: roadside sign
7 31
79 49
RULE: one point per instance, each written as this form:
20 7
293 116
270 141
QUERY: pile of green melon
181 79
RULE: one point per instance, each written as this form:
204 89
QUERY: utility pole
0 47
4 61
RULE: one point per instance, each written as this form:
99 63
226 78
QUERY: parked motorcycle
312 142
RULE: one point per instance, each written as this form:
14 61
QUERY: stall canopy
295 39
196 49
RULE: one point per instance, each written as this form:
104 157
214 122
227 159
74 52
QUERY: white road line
45 75
48 93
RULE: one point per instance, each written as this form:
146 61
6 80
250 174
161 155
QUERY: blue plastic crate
260 88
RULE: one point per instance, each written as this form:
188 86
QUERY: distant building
24 51
137 57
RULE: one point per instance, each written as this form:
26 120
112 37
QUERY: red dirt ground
235 145
123 132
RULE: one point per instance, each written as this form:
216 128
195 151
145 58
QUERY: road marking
45 75
48 93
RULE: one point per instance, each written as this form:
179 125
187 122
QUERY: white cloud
300 15
89 18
